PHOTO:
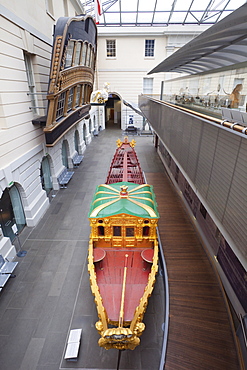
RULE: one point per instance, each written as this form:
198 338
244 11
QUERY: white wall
126 71
29 28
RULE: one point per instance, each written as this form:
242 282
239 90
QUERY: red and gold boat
123 250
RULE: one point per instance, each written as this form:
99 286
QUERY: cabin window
117 231
69 54
111 48
60 105
88 56
77 53
82 94
87 94
83 54
149 48
145 231
101 230
92 59
130 231
78 94
70 98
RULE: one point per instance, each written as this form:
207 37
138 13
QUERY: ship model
123 250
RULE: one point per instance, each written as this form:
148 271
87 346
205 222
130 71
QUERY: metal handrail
166 318
36 93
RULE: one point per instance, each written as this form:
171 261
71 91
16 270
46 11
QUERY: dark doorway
113 111
11 212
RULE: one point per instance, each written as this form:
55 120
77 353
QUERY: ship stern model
123 252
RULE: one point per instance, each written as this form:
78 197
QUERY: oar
119 357
121 313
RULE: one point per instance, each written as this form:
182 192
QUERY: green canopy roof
124 198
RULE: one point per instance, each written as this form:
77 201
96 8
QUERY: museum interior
79 81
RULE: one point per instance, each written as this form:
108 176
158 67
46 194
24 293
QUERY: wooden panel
222 171
200 335
235 217
213 161
205 159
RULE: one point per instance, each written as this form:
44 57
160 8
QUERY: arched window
45 174
69 54
84 132
101 230
84 54
145 231
78 95
77 53
76 139
92 59
88 56
90 126
65 154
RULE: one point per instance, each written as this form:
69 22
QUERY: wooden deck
110 281
200 335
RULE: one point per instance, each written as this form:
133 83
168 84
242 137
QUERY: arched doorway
65 154
45 175
11 212
113 110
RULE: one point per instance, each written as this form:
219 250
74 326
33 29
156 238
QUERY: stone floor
51 294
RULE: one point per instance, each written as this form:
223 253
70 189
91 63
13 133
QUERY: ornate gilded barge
123 250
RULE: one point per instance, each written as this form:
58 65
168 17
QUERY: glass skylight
162 12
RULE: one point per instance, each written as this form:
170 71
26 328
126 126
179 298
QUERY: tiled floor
51 294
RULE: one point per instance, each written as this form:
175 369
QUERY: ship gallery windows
71 99
60 106
117 231
79 53
128 232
